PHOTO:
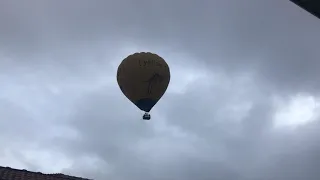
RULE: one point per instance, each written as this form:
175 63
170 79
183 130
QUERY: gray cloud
60 102
265 37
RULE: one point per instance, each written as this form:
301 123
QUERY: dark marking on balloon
155 78
147 63
150 62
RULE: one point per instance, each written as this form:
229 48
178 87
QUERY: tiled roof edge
64 176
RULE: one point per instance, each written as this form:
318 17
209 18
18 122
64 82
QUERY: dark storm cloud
211 131
222 148
276 38
114 139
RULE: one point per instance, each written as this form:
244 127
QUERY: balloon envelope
143 78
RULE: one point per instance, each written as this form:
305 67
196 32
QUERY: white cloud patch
299 110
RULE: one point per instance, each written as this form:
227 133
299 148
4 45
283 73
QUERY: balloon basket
146 116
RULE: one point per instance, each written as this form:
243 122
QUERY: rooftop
7 173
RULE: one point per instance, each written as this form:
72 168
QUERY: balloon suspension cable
146 116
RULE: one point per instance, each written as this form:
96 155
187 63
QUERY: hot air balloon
143 78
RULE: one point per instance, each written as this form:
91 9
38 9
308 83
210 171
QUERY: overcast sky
243 102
